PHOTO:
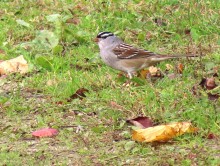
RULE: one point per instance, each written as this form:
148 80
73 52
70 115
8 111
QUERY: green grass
63 58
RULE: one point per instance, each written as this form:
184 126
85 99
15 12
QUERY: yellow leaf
18 64
163 133
169 67
143 73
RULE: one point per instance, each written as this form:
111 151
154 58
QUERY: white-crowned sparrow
118 55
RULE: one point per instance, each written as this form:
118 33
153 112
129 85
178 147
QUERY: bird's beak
96 40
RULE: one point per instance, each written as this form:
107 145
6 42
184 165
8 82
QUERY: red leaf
142 122
211 136
46 132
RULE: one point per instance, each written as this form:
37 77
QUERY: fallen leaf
208 83
59 103
180 68
80 93
74 21
169 67
213 96
211 136
143 73
163 133
141 122
153 70
18 64
46 132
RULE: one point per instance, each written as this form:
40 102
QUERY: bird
125 57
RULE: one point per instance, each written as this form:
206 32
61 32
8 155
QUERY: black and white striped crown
104 35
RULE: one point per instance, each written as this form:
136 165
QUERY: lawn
56 38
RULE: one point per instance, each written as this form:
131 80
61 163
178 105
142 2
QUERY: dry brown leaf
180 68
153 70
18 64
213 96
75 21
210 83
80 93
163 133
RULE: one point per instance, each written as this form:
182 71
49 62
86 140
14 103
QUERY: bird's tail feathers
160 57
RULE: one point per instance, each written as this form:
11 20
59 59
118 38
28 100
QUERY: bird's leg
128 82
130 75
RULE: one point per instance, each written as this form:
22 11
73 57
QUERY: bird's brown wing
125 51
